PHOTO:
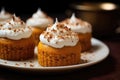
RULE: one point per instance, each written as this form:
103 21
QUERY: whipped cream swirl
15 29
58 36
78 25
39 19
4 15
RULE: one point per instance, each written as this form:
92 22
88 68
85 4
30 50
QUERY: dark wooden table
108 69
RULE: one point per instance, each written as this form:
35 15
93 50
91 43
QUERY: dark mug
104 17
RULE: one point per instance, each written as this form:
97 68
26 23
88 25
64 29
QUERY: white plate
98 53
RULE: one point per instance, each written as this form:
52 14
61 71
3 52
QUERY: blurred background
49 6
58 8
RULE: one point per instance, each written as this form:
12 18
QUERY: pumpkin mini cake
84 30
16 42
58 46
4 16
39 21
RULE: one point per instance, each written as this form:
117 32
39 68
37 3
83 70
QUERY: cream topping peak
58 36
2 11
78 25
73 18
4 15
15 29
39 19
39 14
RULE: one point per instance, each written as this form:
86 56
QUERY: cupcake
39 21
16 42
83 28
58 46
4 16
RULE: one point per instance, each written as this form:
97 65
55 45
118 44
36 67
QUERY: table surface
108 69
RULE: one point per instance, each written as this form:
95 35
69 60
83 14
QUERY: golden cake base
16 49
36 33
49 56
85 41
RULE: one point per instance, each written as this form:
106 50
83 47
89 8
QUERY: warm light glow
108 6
